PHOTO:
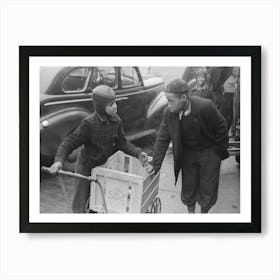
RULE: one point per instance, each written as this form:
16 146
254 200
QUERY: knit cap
178 86
101 96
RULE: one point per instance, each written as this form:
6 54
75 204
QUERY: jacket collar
106 118
185 112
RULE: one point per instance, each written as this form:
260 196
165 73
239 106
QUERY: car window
76 80
104 76
129 77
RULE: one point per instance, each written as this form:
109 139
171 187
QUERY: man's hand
144 159
55 167
150 169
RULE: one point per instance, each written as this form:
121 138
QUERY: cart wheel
156 206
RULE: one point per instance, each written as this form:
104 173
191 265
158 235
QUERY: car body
67 100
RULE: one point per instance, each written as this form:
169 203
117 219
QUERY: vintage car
66 100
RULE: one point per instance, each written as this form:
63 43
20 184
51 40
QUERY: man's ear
184 97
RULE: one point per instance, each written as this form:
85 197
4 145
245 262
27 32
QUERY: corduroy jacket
101 136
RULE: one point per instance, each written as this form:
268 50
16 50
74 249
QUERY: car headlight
45 123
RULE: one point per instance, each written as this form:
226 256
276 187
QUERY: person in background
230 89
201 88
236 106
101 135
199 136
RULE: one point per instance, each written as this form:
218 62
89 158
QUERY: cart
126 185
121 185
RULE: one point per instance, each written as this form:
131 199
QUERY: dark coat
213 127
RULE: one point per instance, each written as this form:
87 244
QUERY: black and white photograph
167 138
139 140
135 158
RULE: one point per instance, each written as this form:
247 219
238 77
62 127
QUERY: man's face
175 101
111 108
200 80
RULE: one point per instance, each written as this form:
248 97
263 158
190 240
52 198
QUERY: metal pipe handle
70 174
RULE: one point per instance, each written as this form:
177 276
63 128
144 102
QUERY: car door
131 100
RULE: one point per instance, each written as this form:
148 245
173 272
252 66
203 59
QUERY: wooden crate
127 186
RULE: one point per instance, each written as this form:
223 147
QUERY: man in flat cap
101 135
199 136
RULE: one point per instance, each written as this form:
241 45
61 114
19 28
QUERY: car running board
141 134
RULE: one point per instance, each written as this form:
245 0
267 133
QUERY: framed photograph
140 139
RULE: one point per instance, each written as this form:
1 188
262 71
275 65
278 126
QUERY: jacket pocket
223 153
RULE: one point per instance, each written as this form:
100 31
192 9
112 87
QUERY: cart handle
70 174
80 176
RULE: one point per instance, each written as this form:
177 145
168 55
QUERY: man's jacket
213 127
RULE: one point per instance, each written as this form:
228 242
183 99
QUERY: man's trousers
200 178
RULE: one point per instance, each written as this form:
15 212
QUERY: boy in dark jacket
101 135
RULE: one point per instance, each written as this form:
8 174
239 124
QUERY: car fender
158 104
55 127
155 110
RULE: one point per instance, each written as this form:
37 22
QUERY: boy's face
111 108
175 101
200 80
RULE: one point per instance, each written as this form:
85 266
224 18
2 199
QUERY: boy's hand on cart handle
55 167
144 159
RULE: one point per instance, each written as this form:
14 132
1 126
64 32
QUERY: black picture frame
254 52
